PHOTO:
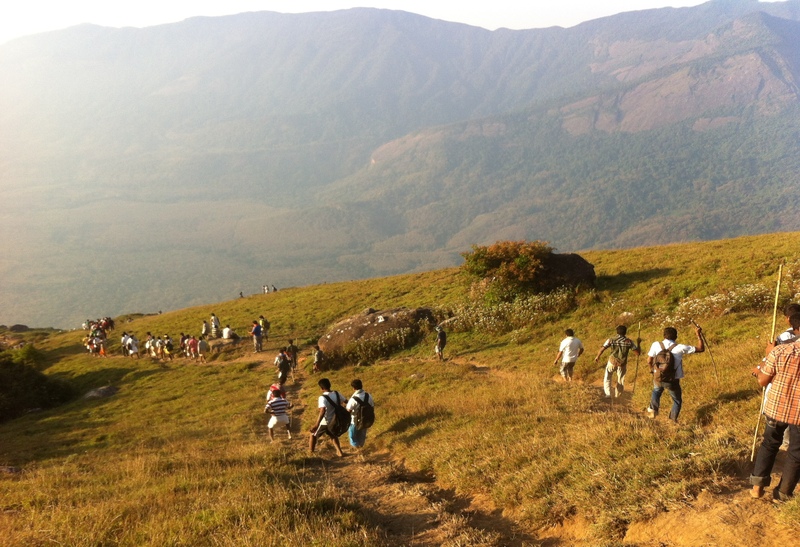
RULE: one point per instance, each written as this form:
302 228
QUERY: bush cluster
23 388
511 267
751 297
503 317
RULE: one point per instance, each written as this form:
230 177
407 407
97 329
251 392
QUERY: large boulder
566 270
373 334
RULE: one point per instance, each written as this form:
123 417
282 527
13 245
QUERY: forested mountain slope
172 165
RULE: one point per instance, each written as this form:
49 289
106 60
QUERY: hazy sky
22 17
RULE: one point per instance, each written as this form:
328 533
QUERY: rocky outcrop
373 334
566 270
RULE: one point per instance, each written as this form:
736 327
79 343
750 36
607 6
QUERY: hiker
441 342
786 337
781 368
264 326
618 360
276 386
284 365
291 352
204 331
570 349
325 416
168 347
214 326
241 294
228 334
670 379
202 349
133 345
124 344
191 348
358 436
255 332
278 406
319 359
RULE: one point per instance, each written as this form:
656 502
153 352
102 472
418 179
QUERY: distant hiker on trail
229 334
202 350
133 346
264 326
319 359
276 386
204 331
668 371
356 407
214 326
255 332
618 360
274 288
168 348
265 289
291 352
327 412
123 344
781 368
441 342
284 365
279 407
191 348
570 349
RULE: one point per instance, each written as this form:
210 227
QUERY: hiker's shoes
651 413
757 492
780 497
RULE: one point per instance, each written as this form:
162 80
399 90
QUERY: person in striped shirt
279 407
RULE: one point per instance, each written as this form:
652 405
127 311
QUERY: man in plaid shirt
781 367
618 360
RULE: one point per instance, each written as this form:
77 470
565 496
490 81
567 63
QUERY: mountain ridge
313 147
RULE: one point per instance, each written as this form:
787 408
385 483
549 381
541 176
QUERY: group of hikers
95 342
778 374
337 414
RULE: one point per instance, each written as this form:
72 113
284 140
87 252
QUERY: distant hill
148 169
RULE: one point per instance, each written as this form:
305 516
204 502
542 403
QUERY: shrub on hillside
505 317
23 388
508 269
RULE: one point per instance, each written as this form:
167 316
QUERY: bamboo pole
636 373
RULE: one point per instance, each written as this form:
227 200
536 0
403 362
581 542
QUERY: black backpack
664 365
364 413
341 418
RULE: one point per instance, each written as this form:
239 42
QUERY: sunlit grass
179 455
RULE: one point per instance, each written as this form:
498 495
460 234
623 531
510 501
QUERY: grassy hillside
179 455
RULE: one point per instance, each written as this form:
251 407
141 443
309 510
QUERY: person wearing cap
441 342
278 406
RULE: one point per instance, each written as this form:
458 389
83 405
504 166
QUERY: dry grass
178 456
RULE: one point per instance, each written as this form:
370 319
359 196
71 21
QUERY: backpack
664 365
364 413
341 418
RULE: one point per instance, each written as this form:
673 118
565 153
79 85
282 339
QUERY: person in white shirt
568 352
674 385
358 436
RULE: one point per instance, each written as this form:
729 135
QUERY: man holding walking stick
666 363
781 368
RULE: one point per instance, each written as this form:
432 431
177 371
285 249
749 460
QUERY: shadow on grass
622 281
408 422
706 412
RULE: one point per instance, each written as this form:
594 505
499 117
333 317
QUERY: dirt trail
411 509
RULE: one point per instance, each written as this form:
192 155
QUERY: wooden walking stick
771 340
708 349
636 372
